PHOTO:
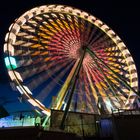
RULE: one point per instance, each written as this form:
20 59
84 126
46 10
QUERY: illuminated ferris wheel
63 58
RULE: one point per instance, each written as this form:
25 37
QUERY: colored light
10 63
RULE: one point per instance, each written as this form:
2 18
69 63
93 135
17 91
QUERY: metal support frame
75 77
62 126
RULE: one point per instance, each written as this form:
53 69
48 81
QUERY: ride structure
63 58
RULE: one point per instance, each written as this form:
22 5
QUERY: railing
118 112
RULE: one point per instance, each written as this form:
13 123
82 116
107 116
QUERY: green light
10 63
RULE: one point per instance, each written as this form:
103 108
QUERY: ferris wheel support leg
62 126
107 67
46 120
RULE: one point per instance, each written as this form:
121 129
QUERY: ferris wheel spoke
65 27
101 92
104 40
33 84
44 26
80 90
56 80
113 60
81 28
115 79
91 101
54 25
34 35
88 32
118 86
36 67
93 91
96 36
50 86
76 99
71 27
91 34
65 86
74 25
120 92
114 64
108 95
119 76
107 79
37 79
89 97
83 32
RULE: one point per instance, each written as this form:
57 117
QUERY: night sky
123 18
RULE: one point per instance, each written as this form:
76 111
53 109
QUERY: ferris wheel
63 58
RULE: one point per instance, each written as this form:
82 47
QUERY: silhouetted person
37 121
